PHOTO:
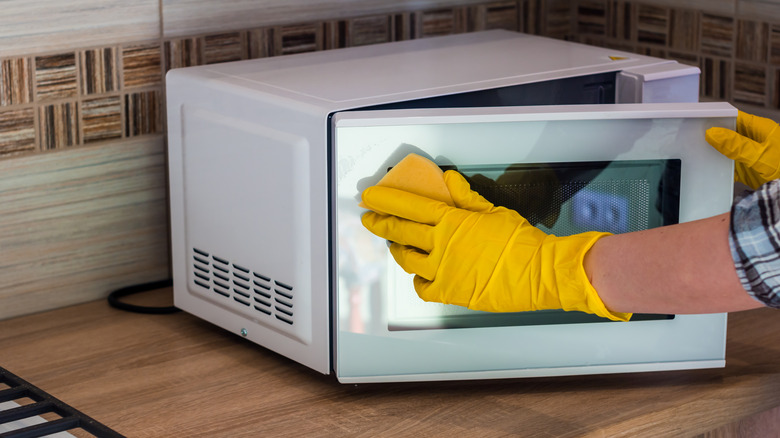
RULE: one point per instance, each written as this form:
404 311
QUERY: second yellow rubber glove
482 257
755 147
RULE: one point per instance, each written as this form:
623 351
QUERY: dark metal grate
43 403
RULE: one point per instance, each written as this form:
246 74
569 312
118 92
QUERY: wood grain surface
177 376
78 224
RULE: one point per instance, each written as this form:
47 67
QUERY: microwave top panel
361 76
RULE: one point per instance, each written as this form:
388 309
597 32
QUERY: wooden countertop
178 376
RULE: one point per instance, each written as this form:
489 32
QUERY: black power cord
113 298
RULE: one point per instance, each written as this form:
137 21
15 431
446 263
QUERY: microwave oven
267 159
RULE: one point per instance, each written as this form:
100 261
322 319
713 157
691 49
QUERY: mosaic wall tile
184 52
776 88
652 24
260 43
56 77
141 65
404 27
16 81
75 95
557 19
336 34
99 72
101 118
684 30
774 45
750 83
715 78
499 16
224 47
717 35
592 18
362 31
17 131
752 41
298 39
620 23
440 22
59 125
143 113
658 52
684 58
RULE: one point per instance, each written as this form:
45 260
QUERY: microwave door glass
561 199
570 169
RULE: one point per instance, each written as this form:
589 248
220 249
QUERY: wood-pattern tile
750 83
59 125
504 15
404 26
620 24
557 19
183 18
56 77
224 47
98 70
776 88
652 25
774 45
183 52
55 26
143 113
16 81
446 21
752 41
335 34
655 51
684 29
17 131
759 10
79 223
260 43
141 65
101 118
498 15
591 18
369 30
717 35
715 78
298 39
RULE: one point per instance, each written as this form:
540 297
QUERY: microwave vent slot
243 289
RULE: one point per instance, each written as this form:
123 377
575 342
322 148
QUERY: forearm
684 268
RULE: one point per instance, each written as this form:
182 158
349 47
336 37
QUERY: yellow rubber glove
480 256
755 147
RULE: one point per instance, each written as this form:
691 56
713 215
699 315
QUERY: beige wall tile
79 224
713 6
192 17
30 27
765 10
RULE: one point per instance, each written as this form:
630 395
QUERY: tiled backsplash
97 94
739 57
92 216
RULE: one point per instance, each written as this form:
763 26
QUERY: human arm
677 269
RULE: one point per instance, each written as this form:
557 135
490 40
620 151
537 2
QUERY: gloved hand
755 147
480 256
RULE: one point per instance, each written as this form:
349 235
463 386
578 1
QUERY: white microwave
267 159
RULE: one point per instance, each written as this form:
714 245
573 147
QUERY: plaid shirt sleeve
754 239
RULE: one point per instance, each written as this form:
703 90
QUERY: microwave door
569 169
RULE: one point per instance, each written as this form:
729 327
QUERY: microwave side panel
249 215
388 319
